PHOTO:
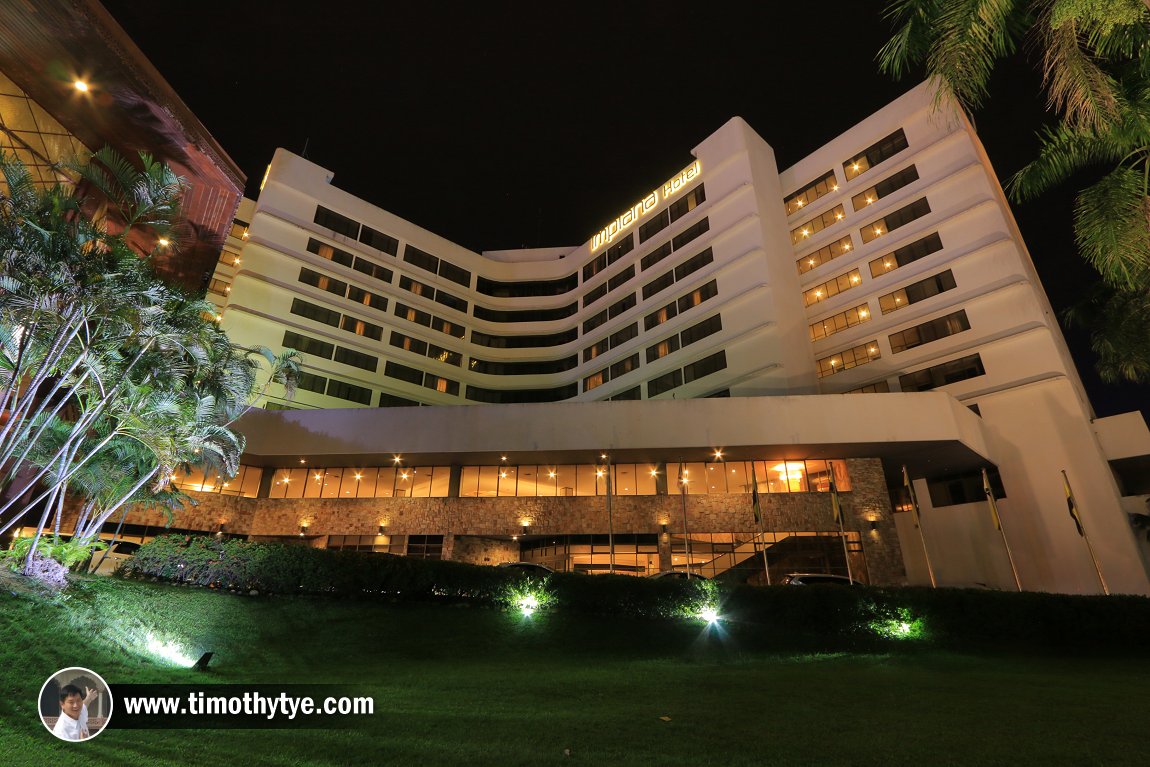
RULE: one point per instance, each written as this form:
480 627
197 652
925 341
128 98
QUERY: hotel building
868 314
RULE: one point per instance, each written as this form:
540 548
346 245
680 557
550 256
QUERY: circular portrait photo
75 704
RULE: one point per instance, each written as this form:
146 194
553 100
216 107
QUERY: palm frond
970 36
1112 228
1076 85
1064 152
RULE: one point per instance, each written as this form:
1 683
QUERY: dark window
704 367
420 258
659 316
379 240
720 394
313 312
655 225
331 253
698 296
624 366
591 323
441 384
456 274
661 282
444 355
664 383
452 329
917 291
687 203
308 345
412 315
335 222
416 287
662 349
400 341
690 233
390 400
527 288
367 298
524 315
701 330
619 307
425 546
621 277
940 375
450 301
403 373
350 392
595 294
380 273
595 349
632 393
887 186
499 396
622 336
322 281
655 256
522 368
964 488
523 342
311 382
895 220
906 254
620 249
593 267
881 150
940 327
694 264
361 328
356 359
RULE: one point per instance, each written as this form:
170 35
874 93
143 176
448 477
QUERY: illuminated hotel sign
646 205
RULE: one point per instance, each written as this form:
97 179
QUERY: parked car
818 579
528 568
679 575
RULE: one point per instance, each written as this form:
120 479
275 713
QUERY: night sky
505 125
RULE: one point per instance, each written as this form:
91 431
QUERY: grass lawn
474 686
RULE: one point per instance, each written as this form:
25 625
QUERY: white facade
952 303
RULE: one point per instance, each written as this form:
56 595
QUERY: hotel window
313 312
694 264
874 154
323 250
595 380
527 288
361 328
809 229
308 345
239 229
658 284
231 257
403 373
892 221
874 388
390 400
311 382
523 342
323 282
940 375
624 366
825 254
701 330
595 349
444 355
851 358
704 367
456 274
686 203
630 394
663 348
450 328
407 343
659 316
524 315
916 291
335 222
621 277
595 294
690 233
655 256
933 330
664 383
887 186
219 287
839 322
623 335
593 267
515 396
418 288
544 367
440 384
698 296
795 201
356 359
619 307
964 488
403 311
832 287
420 258
450 301
349 392
367 298
906 254
655 225
375 271
620 249
591 323
378 240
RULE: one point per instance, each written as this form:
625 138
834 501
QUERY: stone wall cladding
496 519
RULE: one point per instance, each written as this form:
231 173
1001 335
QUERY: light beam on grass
169 651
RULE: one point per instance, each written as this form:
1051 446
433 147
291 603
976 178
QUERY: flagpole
683 494
914 516
610 521
837 511
998 524
1072 505
757 508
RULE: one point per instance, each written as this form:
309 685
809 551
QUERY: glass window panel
694 473
738 477
365 488
565 480
624 480
403 482
292 481
469 482
716 478
384 482
441 482
525 481
842 477
251 481
331 483
547 480
508 476
313 485
488 481
585 479
646 478
421 486
818 476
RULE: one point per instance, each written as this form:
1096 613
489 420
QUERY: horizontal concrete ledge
930 432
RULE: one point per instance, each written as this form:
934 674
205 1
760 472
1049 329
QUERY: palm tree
1095 61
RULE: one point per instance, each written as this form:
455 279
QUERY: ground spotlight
709 614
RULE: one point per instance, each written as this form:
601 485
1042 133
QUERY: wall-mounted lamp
382 528
302 528
526 528
663 529
223 528
874 525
